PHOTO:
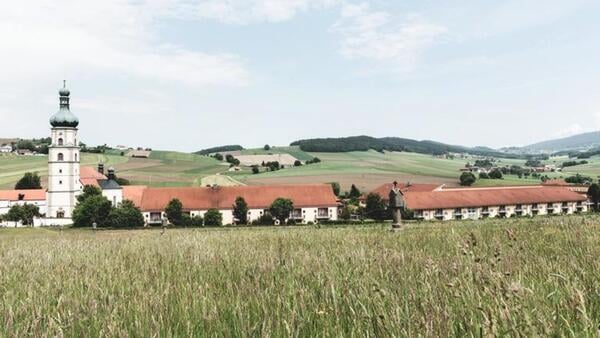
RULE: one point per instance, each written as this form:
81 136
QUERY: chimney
111 173
101 168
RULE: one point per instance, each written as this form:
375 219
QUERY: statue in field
396 203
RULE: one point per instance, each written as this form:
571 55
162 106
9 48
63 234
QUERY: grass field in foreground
528 277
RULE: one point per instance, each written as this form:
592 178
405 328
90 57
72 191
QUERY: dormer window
61 157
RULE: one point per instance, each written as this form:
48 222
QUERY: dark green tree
29 212
467 178
29 181
375 207
213 217
174 211
218 156
593 194
267 147
126 215
297 163
354 192
240 210
89 191
122 181
281 209
336 188
483 176
14 214
495 174
95 208
255 169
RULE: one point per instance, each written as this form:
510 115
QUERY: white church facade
66 178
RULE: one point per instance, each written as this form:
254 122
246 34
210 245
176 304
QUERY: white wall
309 215
115 196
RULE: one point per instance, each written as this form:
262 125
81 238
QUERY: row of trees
280 210
22 213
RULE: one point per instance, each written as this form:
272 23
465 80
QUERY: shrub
240 210
483 176
126 215
255 169
264 219
93 209
467 179
281 209
29 181
495 174
213 217
174 211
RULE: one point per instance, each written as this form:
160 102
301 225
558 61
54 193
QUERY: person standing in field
164 226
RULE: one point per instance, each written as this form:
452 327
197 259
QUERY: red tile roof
134 193
90 176
257 197
90 173
492 196
28 195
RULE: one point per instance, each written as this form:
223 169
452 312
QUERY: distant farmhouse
6 148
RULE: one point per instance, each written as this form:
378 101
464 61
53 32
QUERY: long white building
430 202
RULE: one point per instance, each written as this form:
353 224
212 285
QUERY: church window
60 171
60 141
61 157
60 214
59 182
75 157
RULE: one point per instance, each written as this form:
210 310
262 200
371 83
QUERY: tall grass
495 277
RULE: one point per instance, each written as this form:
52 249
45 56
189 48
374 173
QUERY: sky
191 74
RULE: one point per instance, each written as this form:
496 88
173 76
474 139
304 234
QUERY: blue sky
190 74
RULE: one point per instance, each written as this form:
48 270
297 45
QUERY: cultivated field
365 169
515 277
370 169
163 168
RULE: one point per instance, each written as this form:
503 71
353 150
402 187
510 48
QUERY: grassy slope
292 150
372 162
164 168
529 277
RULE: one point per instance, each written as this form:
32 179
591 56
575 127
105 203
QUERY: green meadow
366 169
163 168
509 277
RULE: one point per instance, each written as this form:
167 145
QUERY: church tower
63 161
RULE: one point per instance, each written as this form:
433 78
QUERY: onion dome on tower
64 117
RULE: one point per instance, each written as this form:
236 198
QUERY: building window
59 182
61 157
60 214
323 213
60 141
75 157
60 171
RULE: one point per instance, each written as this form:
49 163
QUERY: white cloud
573 129
47 40
249 11
368 34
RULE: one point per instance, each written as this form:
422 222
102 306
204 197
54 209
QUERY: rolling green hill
576 142
365 143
